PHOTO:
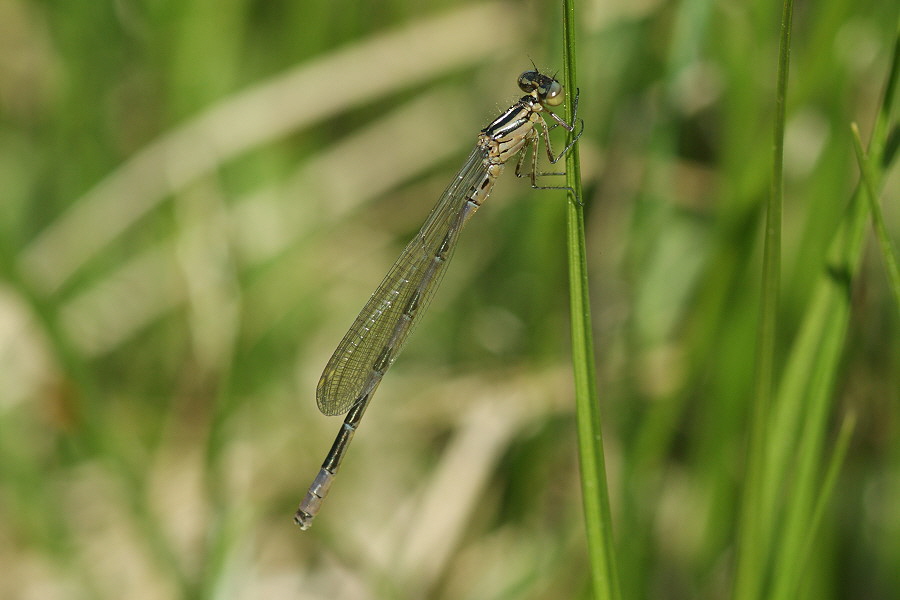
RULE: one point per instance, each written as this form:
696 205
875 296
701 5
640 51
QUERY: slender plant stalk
597 514
870 181
754 538
802 406
811 366
809 499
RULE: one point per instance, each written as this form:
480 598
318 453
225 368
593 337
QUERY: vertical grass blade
870 180
787 515
595 494
754 537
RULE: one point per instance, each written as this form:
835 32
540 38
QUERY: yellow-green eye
553 96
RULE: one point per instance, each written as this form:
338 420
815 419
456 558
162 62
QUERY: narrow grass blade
595 493
754 531
871 182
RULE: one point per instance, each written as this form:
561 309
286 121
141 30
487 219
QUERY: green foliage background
197 197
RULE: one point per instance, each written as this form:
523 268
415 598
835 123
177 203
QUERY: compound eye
553 95
528 81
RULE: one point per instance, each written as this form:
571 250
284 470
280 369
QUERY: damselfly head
549 90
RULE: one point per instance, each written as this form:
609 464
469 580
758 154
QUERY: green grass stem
870 180
754 537
595 493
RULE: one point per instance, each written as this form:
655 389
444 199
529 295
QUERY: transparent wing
383 326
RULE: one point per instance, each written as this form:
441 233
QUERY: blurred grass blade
595 493
755 521
802 405
804 521
871 181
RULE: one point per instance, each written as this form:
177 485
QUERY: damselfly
382 327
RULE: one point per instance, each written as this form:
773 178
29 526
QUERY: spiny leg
532 147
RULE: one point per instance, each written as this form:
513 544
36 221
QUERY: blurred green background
198 196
